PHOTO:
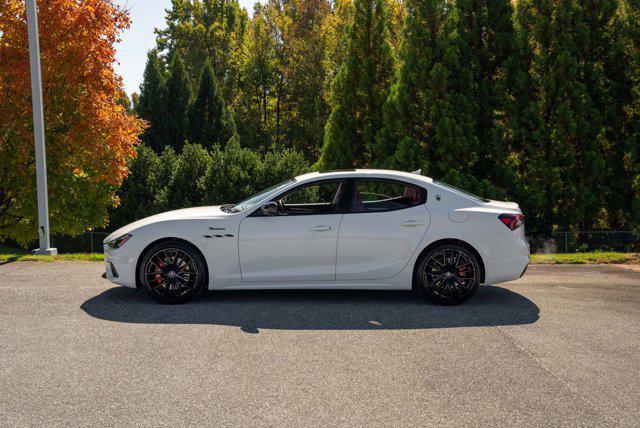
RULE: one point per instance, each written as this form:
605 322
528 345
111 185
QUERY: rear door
384 227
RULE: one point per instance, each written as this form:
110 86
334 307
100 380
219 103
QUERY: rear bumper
506 258
506 269
525 269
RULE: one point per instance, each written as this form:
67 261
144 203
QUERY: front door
298 244
388 220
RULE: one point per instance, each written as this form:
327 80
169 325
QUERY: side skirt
353 285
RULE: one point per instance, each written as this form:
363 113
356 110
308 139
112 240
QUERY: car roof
371 173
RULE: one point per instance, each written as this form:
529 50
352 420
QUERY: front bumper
120 266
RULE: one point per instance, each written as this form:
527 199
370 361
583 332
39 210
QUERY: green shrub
197 177
282 165
236 173
186 187
138 191
168 165
233 174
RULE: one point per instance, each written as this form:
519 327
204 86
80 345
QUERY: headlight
119 242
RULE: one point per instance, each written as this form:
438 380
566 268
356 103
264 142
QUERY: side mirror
270 208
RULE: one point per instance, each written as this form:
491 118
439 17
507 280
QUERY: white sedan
356 229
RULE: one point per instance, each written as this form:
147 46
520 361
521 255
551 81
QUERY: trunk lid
511 206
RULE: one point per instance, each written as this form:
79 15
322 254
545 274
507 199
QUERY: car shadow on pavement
316 310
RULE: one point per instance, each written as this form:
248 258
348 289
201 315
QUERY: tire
448 274
172 272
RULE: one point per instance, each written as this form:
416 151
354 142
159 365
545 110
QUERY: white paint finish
458 216
221 253
371 250
378 245
289 248
198 213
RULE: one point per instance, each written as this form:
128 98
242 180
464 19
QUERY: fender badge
217 228
438 197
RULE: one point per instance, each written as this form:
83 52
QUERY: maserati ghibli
355 229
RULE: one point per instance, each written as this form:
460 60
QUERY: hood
212 212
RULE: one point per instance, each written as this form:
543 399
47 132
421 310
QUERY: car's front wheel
172 272
448 274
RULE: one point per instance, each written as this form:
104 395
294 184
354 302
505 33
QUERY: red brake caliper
158 277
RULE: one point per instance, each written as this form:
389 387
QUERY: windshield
464 192
251 201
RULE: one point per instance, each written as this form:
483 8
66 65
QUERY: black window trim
356 181
343 205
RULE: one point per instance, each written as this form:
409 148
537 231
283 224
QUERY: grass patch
597 257
14 255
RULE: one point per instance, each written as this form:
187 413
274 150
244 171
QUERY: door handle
322 228
412 223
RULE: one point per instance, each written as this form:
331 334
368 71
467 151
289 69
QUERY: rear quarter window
461 191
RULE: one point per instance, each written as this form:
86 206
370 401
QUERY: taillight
512 221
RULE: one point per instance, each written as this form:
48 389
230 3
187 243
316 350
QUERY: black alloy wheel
172 272
448 274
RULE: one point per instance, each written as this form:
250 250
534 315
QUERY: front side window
314 198
380 196
251 201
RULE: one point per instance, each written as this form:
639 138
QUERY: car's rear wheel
172 272
448 274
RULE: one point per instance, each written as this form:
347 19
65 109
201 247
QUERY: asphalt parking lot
560 346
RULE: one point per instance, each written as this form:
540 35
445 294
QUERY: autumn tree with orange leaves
89 136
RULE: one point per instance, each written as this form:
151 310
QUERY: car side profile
356 229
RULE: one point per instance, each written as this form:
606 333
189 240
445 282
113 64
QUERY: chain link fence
582 241
88 242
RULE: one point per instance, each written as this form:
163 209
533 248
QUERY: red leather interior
412 192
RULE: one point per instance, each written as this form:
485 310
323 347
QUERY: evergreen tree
260 70
407 128
430 116
178 97
150 104
594 45
554 120
303 108
202 30
486 27
210 122
360 90
623 118
632 156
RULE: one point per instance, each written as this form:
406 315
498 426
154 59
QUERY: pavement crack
563 381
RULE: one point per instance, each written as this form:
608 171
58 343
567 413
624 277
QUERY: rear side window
380 196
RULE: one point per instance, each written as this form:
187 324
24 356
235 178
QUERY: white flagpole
38 131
